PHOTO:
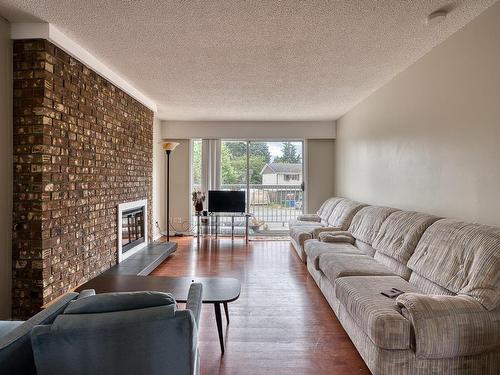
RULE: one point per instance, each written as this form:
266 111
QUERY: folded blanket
336 237
309 217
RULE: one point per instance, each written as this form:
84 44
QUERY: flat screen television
226 201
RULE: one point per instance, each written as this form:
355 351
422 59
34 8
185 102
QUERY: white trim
305 176
249 130
127 206
51 33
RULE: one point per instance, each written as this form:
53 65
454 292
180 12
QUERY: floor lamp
168 147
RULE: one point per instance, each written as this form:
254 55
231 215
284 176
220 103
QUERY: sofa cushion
379 317
302 233
367 222
427 286
365 248
462 258
397 267
327 207
399 234
343 212
341 265
301 223
314 248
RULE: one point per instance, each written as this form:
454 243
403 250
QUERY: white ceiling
252 60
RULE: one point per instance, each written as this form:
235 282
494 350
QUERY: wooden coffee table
216 290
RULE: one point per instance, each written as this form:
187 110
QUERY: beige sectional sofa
334 215
448 319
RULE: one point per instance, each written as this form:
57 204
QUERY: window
292 177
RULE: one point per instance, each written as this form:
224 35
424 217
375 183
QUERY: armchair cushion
450 326
109 302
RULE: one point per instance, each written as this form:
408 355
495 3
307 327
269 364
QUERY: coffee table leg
226 310
218 319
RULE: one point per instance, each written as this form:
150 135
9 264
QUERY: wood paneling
281 324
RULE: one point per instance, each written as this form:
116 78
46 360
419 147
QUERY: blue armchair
121 333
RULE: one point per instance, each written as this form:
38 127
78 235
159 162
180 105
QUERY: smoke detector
436 17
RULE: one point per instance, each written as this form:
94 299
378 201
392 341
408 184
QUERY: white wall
180 186
6 182
269 130
158 180
430 139
320 178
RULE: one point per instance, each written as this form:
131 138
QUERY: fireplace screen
132 228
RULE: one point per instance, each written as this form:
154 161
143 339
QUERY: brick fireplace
81 147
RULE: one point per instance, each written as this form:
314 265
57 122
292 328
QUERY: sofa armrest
309 217
450 326
194 301
336 237
317 231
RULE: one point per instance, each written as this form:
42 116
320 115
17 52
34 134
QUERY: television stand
215 216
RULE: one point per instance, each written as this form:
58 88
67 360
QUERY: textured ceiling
252 60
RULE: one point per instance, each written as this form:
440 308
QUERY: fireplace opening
132 228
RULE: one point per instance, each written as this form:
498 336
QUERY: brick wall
81 147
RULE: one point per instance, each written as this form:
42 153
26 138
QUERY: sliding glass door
270 172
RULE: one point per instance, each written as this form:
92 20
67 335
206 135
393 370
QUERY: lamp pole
168 146
168 195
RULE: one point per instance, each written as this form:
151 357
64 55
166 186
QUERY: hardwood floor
281 324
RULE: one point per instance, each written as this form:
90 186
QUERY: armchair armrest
336 237
317 231
194 301
309 217
450 326
86 293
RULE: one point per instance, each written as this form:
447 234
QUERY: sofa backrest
460 258
16 355
343 213
326 208
366 224
398 237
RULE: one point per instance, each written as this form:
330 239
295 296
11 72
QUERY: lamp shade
170 146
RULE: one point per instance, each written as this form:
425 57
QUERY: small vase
198 207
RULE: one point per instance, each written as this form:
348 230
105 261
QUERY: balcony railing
272 203
272 206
